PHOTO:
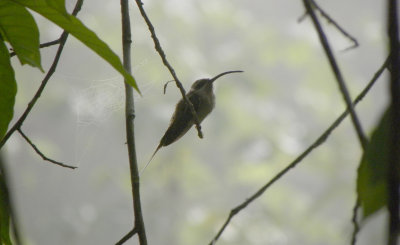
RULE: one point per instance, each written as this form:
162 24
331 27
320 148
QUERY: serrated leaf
81 32
18 27
8 89
372 173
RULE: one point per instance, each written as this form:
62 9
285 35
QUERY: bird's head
207 83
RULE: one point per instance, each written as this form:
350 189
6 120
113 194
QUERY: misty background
264 118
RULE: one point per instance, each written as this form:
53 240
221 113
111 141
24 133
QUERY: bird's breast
207 104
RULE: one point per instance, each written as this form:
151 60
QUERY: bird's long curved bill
222 74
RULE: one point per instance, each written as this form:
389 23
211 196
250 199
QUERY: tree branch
321 139
159 49
139 227
127 236
393 175
20 121
339 78
41 154
42 45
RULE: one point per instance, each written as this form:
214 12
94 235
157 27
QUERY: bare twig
41 154
334 23
20 121
321 139
138 226
393 174
339 78
159 49
42 45
166 84
354 220
127 236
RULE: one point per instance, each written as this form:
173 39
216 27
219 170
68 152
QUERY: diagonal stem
43 156
338 75
354 218
335 24
42 45
127 236
320 140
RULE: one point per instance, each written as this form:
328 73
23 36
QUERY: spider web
94 106
99 101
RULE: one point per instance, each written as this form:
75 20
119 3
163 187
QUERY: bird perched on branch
202 97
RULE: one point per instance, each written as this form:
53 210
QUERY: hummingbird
203 99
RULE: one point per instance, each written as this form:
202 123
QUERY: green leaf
81 32
8 89
18 27
58 5
4 215
371 179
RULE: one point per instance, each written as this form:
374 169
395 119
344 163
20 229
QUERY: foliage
372 173
18 28
256 127
8 89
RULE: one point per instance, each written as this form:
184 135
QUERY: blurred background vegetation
263 119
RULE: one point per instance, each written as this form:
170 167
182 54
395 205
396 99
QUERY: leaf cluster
19 33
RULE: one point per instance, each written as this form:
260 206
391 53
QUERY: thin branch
339 78
321 139
51 43
20 121
165 86
41 154
42 45
357 125
139 227
393 174
334 23
354 219
157 46
127 236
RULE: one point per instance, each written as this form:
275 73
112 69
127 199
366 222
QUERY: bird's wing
181 121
